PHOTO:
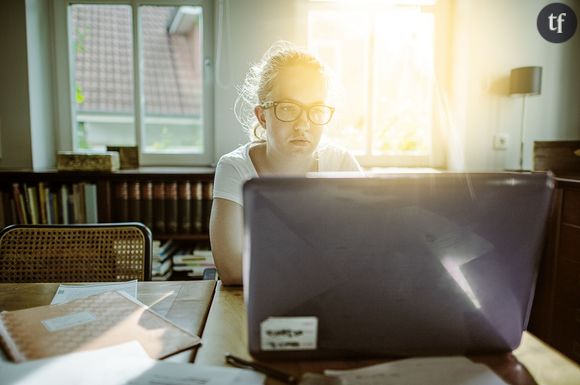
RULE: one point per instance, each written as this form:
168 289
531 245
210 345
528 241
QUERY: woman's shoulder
237 161
238 155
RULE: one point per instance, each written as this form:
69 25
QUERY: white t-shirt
235 168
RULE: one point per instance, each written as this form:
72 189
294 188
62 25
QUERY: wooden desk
184 303
226 331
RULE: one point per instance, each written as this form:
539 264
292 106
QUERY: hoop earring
256 135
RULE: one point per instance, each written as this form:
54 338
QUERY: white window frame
64 90
437 157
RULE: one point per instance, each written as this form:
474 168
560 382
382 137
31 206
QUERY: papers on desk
125 364
68 292
89 323
420 371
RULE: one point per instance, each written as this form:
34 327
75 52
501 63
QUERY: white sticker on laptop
68 321
289 333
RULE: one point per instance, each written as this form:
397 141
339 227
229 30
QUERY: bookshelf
174 202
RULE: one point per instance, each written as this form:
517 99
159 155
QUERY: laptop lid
409 264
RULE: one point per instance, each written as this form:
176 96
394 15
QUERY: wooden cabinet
555 316
127 195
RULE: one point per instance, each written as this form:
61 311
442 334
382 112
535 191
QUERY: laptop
397 265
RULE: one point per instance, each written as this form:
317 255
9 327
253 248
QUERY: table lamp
525 81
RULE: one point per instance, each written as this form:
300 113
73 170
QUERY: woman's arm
226 234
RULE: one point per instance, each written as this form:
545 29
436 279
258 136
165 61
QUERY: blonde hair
260 78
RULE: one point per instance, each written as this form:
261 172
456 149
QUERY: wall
40 86
488 39
16 151
251 26
26 109
491 38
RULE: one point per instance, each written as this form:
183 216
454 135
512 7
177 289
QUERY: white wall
252 26
43 133
492 37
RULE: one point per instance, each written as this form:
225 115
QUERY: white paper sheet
68 292
68 321
420 371
125 364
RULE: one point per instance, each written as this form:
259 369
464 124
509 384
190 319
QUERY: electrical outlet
501 141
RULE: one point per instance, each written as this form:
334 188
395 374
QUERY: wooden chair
103 252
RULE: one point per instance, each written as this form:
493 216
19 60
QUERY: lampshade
526 80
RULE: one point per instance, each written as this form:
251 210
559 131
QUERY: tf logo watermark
557 22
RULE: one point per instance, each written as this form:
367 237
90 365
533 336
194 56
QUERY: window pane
341 41
172 79
403 83
384 57
103 66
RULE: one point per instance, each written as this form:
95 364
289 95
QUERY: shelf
142 173
146 192
179 236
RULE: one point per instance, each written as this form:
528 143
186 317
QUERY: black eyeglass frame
302 107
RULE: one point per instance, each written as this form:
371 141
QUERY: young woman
284 105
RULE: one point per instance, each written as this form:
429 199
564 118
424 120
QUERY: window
135 73
383 53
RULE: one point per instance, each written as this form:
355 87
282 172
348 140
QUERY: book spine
159 207
171 207
207 195
82 203
42 202
13 211
121 198
18 202
134 201
24 213
197 207
72 213
91 208
48 208
64 216
55 208
184 194
7 204
47 205
147 204
32 204
76 204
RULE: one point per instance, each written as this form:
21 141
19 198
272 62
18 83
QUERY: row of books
180 260
164 206
24 203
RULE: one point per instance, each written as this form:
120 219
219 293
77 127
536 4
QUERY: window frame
440 11
64 75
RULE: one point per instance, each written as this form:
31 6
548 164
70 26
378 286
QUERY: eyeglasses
290 111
